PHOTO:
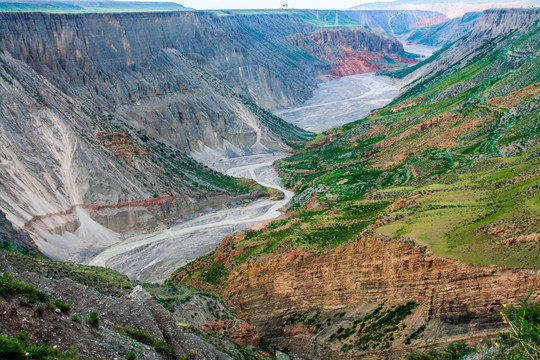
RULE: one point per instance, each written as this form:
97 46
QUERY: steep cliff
396 21
443 34
494 30
451 8
453 301
352 51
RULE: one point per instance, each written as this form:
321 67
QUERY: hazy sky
270 4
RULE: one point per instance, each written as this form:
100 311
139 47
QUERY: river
341 101
152 257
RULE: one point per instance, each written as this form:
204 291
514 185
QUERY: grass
103 280
20 347
170 294
9 286
458 217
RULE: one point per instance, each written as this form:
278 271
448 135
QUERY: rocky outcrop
352 51
68 331
455 301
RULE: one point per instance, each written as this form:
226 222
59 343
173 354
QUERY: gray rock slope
101 109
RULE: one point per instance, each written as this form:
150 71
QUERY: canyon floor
339 101
152 257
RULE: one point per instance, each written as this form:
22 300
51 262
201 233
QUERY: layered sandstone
455 301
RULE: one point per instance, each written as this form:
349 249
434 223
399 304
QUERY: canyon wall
454 301
101 109
452 9
443 34
395 21
104 109
494 29
352 51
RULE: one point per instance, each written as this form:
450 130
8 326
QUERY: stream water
152 257
341 101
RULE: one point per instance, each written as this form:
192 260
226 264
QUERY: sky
270 4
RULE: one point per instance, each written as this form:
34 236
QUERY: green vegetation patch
376 330
20 347
106 281
9 286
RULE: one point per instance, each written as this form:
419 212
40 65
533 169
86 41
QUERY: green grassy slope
454 164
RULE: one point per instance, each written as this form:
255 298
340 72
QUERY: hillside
116 103
410 226
55 310
443 34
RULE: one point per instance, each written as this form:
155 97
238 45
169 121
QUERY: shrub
139 335
93 318
76 318
524 323
64 307
451 352
20 347
11 349
130 355
164 348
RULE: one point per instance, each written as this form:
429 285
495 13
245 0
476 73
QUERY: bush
93 318
130 355
164 348
9 285
11 349
524 323
139 335
20 347
64 307
451 352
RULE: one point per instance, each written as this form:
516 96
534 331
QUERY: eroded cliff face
354 51
443 34
85 51
102 109
493 30
396 21
453 301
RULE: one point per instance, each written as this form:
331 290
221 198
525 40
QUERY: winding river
152 257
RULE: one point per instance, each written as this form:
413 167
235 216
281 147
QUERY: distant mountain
87 6
451 8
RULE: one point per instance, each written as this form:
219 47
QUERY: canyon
133 95
155 144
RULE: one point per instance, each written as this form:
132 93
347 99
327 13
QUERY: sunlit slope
453 165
